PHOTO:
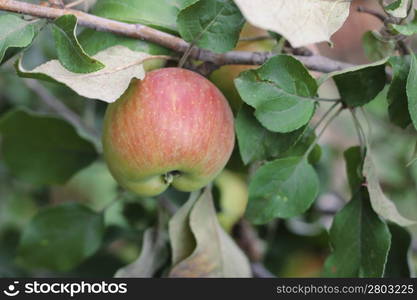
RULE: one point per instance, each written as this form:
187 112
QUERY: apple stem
169 177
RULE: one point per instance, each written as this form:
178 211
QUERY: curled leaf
108 84
215 254
379 201
301 22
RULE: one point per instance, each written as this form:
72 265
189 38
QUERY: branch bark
142 32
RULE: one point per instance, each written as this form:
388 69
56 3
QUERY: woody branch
138 31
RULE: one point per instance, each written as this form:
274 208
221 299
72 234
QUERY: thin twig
326 114
402 45
74 3
142 32
326 100
256 38
57 106
368 123
167 204
185 56
259 271
360 132
311 147
372 12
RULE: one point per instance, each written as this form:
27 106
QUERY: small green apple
174 127
233 198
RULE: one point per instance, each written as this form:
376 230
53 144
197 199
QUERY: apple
172 128
233 198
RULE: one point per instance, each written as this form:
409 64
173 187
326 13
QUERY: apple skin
174 127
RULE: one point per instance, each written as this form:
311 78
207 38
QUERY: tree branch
142 32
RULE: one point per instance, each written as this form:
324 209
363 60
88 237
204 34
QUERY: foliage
284 190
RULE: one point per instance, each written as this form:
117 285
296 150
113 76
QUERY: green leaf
360 84
95 41
408 28
281 92
412 91
182 4
61 237
161 14
15 35
354 164
397 93
211 24
380 202
215 254
376 47
258 143
152 257
43 149
93 186
70 53
399 257
360 241
283 188
398 8
182 239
